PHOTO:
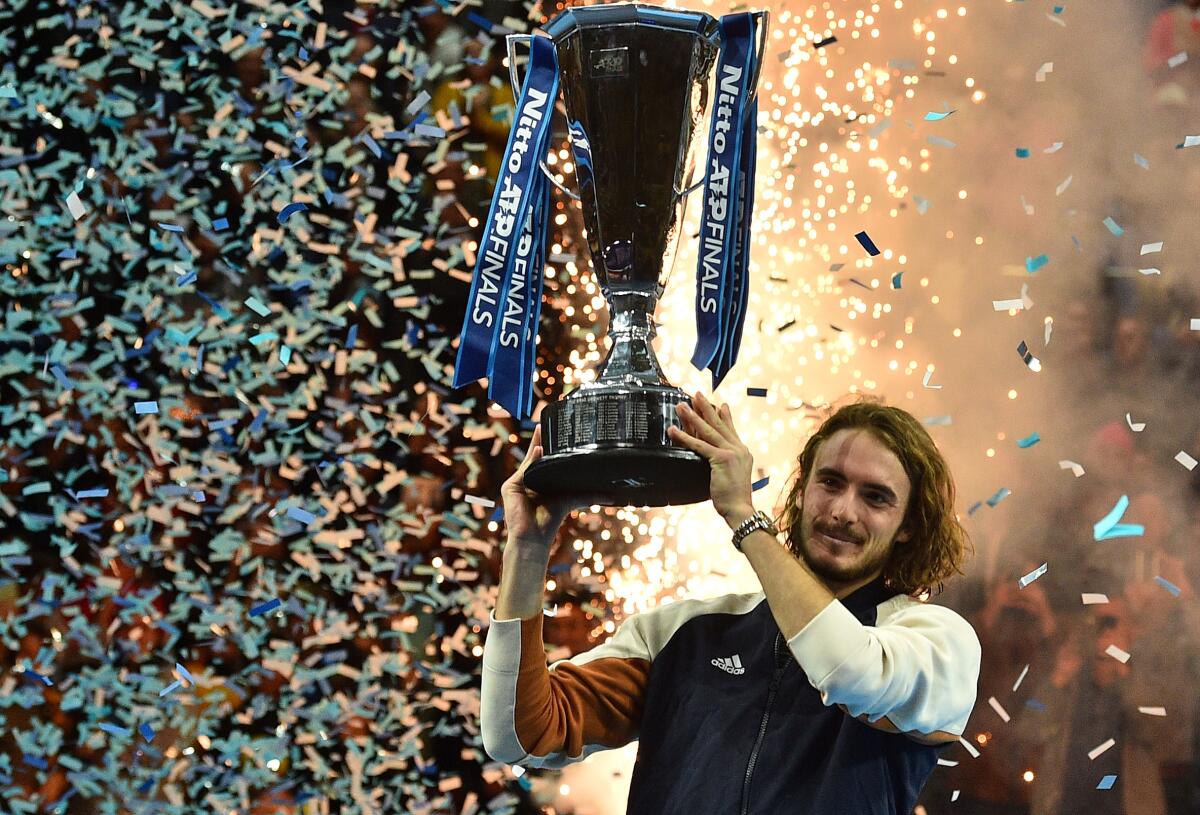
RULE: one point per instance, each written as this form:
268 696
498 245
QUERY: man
833 696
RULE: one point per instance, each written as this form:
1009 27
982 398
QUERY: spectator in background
1175 30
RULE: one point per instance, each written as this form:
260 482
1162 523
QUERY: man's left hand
710 433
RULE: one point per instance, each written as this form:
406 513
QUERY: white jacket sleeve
919 666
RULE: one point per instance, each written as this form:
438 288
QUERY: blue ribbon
495 327
722 282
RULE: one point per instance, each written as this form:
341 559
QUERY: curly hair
939 544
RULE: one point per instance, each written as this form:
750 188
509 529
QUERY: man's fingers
700 426
693 443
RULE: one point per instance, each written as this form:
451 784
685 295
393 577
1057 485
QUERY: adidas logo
732 665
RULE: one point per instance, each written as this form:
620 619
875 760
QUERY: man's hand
533 519
710 432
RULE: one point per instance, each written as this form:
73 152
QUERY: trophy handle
511 41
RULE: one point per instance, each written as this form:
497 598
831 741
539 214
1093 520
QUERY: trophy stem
631 327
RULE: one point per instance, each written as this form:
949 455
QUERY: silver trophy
637 82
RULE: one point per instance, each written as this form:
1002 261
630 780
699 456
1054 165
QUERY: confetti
1032 576
263 608
1094 599
290 210
1033 363
75 206
1186 460
996 706
1029 441
933 116
1097 751
1189 141
1149 248
1033 264
866 243
1108 526
1000 495
1022 152
762 392
1153 711
1136 427
925 382
1112 227
145 407
1046 68
1074 467
896 279
1107 782
1117 654
1168 585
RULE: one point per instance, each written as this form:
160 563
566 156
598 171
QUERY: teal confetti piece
285 354
1113 227
265 336
1108 527
255 305
1029 441
896 279
1033 264
936 116
145 407
1000 495
1022 152
36 489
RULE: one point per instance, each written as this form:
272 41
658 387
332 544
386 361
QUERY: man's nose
842 507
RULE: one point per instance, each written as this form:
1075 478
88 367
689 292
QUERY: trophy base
629 476
611 439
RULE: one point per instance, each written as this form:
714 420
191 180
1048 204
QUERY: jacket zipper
762 728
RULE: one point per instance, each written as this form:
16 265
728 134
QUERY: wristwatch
759 520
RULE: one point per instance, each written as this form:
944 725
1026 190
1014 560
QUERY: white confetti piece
75 205
925 381
1061 188
1136 427
1000 711
1153 711
953 795
482 502
1194 324
1149 271
1032 576
1074 467
1186 460
1028 207
970 747
1148 248
1117 654
1141 161
1094 599
1049 330
1177 60
1040 76
1054 148
1190 141
1097 751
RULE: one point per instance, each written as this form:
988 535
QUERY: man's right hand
534 521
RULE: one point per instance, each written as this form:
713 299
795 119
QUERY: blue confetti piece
1168 585
221 224
498 514
1106 783
98 492
1113 227
1022 152
865 241
1029 441
263 608
480 20
1035 704
62 377
1000 495
1141 161
259 419
1033 264
36 761
756 391
147 732
186 674
290 210
68 254
352 336
758 485
170 227
145 407
896 279
169 688
114 729
303 516
45 680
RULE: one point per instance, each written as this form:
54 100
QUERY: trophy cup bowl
637 81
